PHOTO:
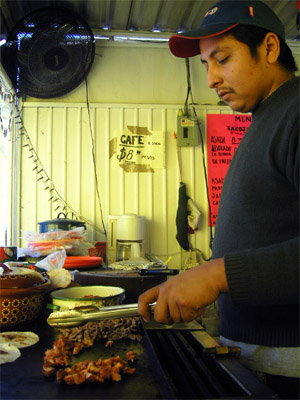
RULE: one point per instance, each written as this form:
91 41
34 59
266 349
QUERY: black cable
93 155
189 93
186 111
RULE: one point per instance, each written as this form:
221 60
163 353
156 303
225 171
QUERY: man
254 271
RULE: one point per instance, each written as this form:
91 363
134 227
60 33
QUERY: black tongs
80 315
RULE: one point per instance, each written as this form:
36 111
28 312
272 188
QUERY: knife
165 271
82 314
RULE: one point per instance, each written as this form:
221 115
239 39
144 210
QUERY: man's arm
183 297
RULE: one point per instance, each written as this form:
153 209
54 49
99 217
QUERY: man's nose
213 78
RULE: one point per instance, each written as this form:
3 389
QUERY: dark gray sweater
257 229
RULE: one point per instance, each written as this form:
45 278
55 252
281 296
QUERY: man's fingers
189 314
174 311
145 299
161 312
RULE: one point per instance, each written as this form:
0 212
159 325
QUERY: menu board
224 134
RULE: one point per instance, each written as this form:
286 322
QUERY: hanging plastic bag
193 216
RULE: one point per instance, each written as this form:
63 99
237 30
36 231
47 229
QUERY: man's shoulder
286 97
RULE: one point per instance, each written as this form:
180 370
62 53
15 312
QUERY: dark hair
253 36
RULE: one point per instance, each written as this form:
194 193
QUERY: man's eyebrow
213 53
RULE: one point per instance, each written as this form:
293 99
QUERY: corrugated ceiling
168 16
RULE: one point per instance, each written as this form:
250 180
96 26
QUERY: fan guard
49 53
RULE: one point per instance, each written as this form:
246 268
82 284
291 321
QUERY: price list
224 134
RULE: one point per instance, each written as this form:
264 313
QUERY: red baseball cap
223 16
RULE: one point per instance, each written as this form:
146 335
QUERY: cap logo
251 12
210 12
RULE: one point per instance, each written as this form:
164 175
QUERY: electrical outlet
187 131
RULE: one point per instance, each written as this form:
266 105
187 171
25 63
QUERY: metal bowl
100 296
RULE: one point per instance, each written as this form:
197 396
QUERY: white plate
8 353
19 339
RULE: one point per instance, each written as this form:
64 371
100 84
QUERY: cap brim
187 43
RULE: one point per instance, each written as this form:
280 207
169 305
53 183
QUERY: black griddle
23 378
178 362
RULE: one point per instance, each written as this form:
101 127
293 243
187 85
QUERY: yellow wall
60 134
141 75
127 85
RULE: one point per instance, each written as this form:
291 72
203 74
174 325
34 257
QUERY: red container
101 247
8 253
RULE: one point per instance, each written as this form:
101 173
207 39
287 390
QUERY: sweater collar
277 93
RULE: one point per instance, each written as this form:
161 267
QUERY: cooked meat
131 355
95 371
110 329
60 355
58 359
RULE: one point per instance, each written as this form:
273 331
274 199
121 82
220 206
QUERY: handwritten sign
136 149
224 134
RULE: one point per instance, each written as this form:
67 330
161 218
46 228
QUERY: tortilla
59 278
8 353
19 339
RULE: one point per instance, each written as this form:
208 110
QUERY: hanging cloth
182 209
182 218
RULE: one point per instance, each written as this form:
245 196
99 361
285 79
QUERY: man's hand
184 297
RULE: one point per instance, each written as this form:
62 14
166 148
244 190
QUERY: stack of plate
77 262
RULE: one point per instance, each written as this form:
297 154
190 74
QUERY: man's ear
272 46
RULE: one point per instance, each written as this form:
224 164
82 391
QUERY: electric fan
49 53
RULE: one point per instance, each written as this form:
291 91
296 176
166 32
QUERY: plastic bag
53 264
53 261
42 244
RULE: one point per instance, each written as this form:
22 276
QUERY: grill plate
185 369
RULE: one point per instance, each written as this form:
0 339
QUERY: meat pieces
110 329
58 360
95 371
60 355
131 355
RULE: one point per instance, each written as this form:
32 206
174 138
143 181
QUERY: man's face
239 79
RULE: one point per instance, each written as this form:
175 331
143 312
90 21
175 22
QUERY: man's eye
223 61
